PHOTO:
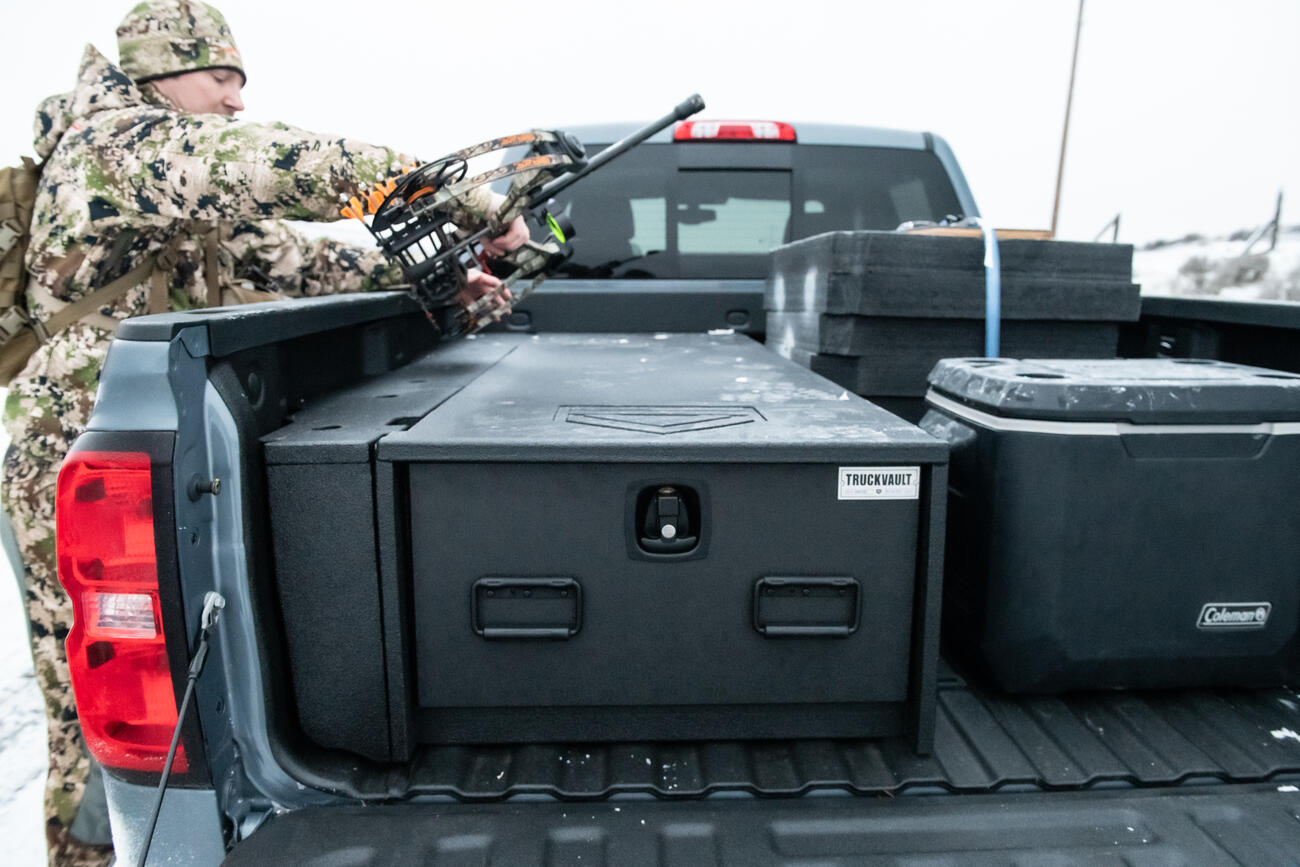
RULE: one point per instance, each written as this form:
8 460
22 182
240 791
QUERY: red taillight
116 651
733 130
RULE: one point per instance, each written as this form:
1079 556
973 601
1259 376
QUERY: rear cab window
712 210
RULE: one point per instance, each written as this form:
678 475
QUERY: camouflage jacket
126 174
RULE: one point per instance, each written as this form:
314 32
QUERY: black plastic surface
897 341
984 742
1274 314
575 398
1141 391
232 329
1258 333
325 563
806 607
342 427
1249 825
674 635
327 559
1105 557
907 275
537 608
559 441
689 306
892 357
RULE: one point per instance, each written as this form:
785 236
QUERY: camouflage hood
101 86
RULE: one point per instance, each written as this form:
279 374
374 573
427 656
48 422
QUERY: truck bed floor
984 743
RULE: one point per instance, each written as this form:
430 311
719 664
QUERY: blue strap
992 292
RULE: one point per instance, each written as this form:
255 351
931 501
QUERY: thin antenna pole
1277 223
1065 134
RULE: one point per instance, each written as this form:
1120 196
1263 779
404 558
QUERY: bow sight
423 221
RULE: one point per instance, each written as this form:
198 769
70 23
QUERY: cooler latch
546 608
806 607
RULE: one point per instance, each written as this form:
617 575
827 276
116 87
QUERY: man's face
204 91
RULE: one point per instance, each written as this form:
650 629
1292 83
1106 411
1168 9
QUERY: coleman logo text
1234 615
880 483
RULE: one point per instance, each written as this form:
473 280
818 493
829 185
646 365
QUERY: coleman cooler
1120 523
653 537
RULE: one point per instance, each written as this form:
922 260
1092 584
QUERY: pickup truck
280 762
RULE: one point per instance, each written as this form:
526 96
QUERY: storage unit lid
1136 390
342 427
656 398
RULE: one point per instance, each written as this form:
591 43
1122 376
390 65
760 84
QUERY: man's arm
296 266
167 166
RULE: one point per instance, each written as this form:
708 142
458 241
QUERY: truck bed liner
984 743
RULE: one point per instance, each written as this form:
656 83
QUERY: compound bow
421 222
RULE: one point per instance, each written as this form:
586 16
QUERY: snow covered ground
1163 270
1216 267
22 730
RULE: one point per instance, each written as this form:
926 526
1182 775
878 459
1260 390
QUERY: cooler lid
1136 390
656 398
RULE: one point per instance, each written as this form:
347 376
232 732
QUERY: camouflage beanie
159 38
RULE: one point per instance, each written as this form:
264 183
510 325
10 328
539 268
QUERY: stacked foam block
874 311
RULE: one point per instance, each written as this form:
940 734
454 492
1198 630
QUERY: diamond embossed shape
660 420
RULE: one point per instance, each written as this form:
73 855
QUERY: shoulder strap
92 302
210 236
156 268
165 261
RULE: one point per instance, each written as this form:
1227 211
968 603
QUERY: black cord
212 605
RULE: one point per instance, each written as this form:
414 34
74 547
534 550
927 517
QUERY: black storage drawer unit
1121 523
656 537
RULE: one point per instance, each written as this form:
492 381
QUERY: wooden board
1002 234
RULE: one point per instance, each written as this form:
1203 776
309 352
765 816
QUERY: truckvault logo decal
660 420
880 483
1234 615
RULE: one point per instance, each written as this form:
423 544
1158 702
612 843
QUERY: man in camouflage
146 159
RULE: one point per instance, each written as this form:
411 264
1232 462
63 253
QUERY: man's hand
511 239
479 284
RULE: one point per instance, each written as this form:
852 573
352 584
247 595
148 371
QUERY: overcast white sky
1186 116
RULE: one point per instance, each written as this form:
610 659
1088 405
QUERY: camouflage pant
44 416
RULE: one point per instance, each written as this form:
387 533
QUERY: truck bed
1135 778
985 743
1187 776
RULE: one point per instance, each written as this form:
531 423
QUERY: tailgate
1254 824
